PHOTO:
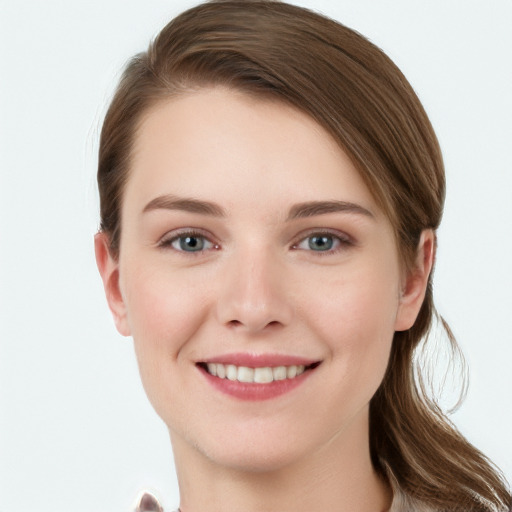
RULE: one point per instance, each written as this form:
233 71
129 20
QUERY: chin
252 450
259 460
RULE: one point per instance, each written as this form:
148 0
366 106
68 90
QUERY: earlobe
108 267
415 285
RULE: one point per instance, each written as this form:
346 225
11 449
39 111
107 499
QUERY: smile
257 378
246 374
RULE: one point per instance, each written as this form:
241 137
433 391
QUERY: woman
270 191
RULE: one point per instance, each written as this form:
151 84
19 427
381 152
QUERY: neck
337 476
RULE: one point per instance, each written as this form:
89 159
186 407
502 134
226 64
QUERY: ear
109 271
415 282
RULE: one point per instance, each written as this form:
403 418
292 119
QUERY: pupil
191 243
320 243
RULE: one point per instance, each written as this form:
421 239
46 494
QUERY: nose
254 294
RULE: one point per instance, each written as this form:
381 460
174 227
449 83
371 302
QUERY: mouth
246 376
256 375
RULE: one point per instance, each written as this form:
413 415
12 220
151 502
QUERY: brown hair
351 88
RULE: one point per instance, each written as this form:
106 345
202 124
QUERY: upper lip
260 360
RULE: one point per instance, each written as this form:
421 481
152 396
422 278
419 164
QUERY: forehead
224 143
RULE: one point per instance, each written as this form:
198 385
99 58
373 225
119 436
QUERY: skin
258 287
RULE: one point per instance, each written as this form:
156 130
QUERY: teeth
221 371
291 372
294 371
279 372
254 375
245 374
231 372
263 375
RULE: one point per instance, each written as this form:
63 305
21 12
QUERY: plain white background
76 431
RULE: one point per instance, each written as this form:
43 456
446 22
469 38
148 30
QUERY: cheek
358 301
162 308
355 316
163 314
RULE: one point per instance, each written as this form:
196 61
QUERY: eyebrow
313 208
186 204
298 211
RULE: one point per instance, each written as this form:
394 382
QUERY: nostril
238 323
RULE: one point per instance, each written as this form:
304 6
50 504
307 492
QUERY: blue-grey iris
320 243
191 243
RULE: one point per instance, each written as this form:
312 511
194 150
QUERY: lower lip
255 391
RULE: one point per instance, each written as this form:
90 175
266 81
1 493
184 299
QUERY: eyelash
339 241
169 241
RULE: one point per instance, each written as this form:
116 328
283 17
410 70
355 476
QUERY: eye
191 243
188 242
322 242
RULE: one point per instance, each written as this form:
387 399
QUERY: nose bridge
253 296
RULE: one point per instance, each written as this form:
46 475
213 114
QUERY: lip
256 391
260 360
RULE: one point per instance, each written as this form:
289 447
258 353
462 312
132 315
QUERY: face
259 280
